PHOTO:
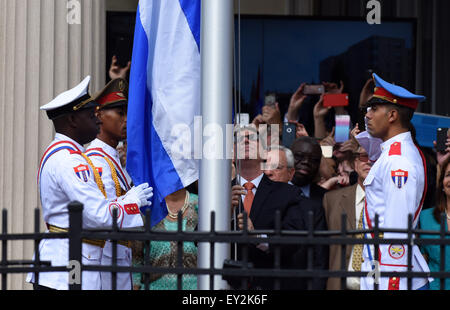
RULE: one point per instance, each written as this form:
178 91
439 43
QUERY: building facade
49 46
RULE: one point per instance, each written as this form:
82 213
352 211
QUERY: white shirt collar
255 181
61 137
398 138
97 143
360 194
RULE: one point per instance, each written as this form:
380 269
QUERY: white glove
139 195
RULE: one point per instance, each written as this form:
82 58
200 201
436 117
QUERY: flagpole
217 35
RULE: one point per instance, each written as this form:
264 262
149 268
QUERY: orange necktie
249 197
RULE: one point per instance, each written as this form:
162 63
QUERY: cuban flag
164 97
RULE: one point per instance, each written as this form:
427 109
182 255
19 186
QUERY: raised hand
442 157
271 114
236 192
366 92
319 110
295 103
301 131
355 131
329 140
333 88
241 222
116 71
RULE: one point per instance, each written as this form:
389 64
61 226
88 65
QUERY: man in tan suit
348 200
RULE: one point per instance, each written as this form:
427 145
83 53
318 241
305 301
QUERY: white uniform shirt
394 189
97 151
65 176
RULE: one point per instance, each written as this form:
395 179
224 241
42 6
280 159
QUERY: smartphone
441 139
289 134
362 119
327 151
335 100
123 50
313 89
342 129
270 100
243 119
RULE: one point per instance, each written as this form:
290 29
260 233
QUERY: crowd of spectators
296 179
337 182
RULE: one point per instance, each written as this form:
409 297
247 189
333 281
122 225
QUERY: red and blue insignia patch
99 170
82 172
396 149
399 177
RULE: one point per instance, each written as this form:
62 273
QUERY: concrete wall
41 55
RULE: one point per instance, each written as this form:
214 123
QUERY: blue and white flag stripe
164 93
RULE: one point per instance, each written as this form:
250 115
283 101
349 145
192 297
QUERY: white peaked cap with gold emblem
70 101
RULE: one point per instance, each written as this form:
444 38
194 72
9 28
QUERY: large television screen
277 54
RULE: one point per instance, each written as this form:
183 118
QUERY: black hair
405 114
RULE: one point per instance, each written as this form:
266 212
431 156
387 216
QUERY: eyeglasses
250 137
363 157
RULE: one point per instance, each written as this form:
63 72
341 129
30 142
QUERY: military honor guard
66 174
395 186
112 113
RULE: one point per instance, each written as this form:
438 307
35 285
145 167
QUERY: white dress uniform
395 188
65 176
100 153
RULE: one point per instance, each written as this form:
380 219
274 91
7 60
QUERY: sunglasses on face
363 157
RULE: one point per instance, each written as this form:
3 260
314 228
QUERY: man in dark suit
307 157
261 199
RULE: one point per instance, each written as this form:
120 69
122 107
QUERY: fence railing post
37 258
376 247
212 233
343 250
147 248
75 227
115 229
4 247
277 258
442 248
180 249
410 249
310 249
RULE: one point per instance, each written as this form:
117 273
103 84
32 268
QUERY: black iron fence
243 271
